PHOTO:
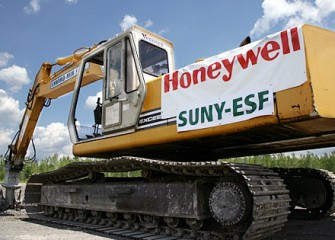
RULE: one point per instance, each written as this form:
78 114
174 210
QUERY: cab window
153 59
114 87
132 77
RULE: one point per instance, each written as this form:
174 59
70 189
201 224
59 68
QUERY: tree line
326 161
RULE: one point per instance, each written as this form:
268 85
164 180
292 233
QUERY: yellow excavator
173 125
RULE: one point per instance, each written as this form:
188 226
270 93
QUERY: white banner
228 109
274 63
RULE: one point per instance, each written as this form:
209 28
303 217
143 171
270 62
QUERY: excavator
175 128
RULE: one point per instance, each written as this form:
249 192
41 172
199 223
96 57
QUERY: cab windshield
153 59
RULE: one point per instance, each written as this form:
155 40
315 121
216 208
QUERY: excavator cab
127 62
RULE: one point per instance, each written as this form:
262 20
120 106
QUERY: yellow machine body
303 116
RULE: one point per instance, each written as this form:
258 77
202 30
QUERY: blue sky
35 31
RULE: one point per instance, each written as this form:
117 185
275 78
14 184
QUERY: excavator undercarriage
206 200
180 200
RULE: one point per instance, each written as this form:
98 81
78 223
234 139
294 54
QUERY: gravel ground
322 229
16 225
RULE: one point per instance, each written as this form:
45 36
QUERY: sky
36 31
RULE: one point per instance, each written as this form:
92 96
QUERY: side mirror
246 41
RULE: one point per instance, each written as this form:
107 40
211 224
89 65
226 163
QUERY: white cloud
10 113
33 7
91 101
148 23
10 118
71 2
162 31
128 21
292 13
14 77
5 57
6 137
52 139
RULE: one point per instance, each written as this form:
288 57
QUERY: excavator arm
34 105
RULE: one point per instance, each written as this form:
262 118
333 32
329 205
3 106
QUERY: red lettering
173 81
269 52
213 68
284 40
295 39
250 57
195 74
229 67
268 48
185 80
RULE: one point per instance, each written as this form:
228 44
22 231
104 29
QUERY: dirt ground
322 229
16 225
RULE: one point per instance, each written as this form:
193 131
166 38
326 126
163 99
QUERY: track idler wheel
80 215
194 224
149 221
229 203
171 222
131 218
112 216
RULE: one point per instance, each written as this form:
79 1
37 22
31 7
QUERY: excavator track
312 191
259 192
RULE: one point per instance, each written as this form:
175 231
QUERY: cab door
124 88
